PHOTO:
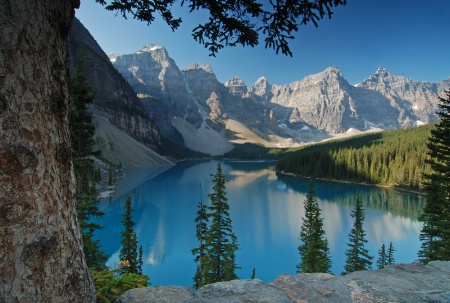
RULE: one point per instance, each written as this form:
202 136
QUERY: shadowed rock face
115 99
398 283
184 104
322 102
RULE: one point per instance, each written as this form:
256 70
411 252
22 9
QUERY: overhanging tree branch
235 22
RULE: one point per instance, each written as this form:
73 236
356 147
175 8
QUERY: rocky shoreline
411 283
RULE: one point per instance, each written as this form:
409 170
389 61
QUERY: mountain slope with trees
391 158
435 234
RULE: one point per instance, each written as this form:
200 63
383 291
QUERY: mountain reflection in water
266 209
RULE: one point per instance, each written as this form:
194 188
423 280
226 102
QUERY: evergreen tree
253 274
357 257
81 127
220 242
140 261
201 229
95 257
128 254
435 234
314 251
81 135
382 257
390 255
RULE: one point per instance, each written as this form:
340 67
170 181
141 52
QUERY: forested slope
392 158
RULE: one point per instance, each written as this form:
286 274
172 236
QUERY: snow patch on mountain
149 48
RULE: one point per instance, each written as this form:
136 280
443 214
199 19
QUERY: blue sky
407 37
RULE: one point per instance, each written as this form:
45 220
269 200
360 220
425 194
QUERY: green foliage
95 257
81 127
252 151
128 254
86 174
140 261
435 233
385 257
109 285
233 23
357 257
391 158
390 255
408 204
220 243
177 151
314 250
382 257
201 230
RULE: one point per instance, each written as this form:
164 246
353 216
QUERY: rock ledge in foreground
398 283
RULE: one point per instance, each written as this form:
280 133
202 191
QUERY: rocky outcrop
398 283
114 99
311 109
121 149
323 101
192 107
411 102
192 102
152 73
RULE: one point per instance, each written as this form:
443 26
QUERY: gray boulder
411 283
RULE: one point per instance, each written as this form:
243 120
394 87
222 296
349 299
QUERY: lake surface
266 209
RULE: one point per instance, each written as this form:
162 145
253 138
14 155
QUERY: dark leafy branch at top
144 10
235 22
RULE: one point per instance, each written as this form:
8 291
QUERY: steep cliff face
322 101
152 73
192 102
326 101
115 99
411 102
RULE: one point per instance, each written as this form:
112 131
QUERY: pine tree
220 242
140 261
253 274
314 251
80 120
201 230
81 135
390 255
357 257
128 254
435 234
382 257
95 257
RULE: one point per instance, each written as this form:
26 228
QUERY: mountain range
192 108
209 115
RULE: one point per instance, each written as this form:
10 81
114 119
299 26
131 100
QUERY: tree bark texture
41 256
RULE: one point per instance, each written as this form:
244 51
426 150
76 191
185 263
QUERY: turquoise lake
266 209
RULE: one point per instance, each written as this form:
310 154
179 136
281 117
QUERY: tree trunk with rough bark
41 256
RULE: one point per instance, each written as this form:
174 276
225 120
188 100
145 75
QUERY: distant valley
192 108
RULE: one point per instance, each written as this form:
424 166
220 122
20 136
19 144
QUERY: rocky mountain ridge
194 104
115 99
412 283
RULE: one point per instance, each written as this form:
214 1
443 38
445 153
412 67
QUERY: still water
266 209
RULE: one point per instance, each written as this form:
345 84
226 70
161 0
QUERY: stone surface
192 107
114 99
412 283
311 109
